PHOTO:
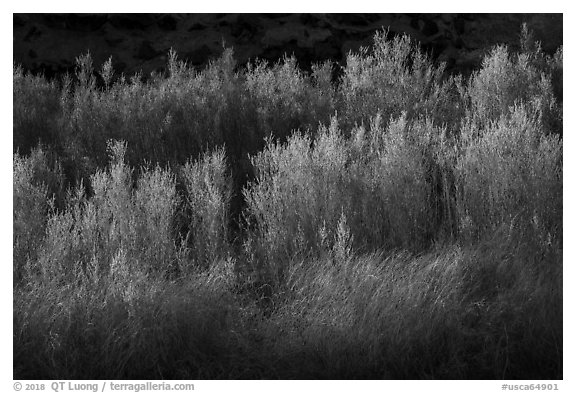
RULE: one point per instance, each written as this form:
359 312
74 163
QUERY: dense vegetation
262 222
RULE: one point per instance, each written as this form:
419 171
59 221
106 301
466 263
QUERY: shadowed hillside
140 42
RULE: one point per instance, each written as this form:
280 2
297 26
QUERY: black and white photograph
287 196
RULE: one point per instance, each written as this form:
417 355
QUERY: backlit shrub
285 99
36 110
505 80
117 220
207 203
378 179
395 77
37 187
512 171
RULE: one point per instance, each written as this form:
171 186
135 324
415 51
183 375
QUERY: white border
297 6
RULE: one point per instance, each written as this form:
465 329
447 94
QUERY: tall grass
490 311
128 326
262 222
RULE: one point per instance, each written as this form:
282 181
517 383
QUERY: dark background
49 43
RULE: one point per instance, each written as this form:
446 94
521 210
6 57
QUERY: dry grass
396 224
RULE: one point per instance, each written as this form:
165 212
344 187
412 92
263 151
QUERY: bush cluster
395 223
